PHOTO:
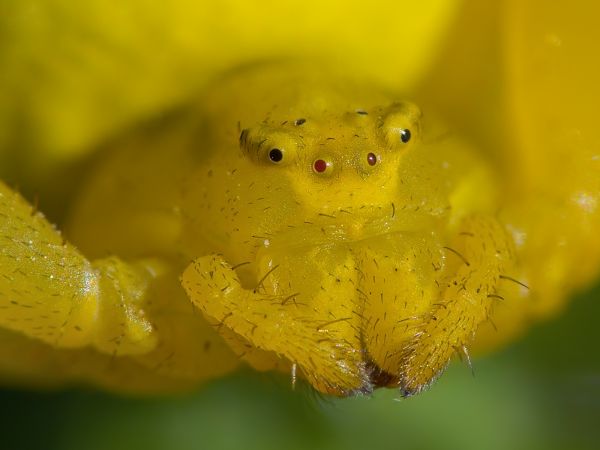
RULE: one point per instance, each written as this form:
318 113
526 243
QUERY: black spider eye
275 155
405 135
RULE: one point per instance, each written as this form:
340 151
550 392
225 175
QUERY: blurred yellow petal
552 75
75 72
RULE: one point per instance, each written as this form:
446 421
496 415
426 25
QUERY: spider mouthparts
379 377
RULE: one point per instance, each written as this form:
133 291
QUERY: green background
541 393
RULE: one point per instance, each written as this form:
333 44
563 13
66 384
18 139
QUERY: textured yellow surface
325 240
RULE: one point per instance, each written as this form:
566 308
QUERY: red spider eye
371 159
320 165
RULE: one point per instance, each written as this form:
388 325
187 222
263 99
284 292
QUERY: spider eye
372 159
275 155
405 135
320 165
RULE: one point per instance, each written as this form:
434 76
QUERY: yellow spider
299 220
336 232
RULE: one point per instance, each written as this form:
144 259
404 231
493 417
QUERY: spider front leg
51 292
479 256
425 298
303 309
